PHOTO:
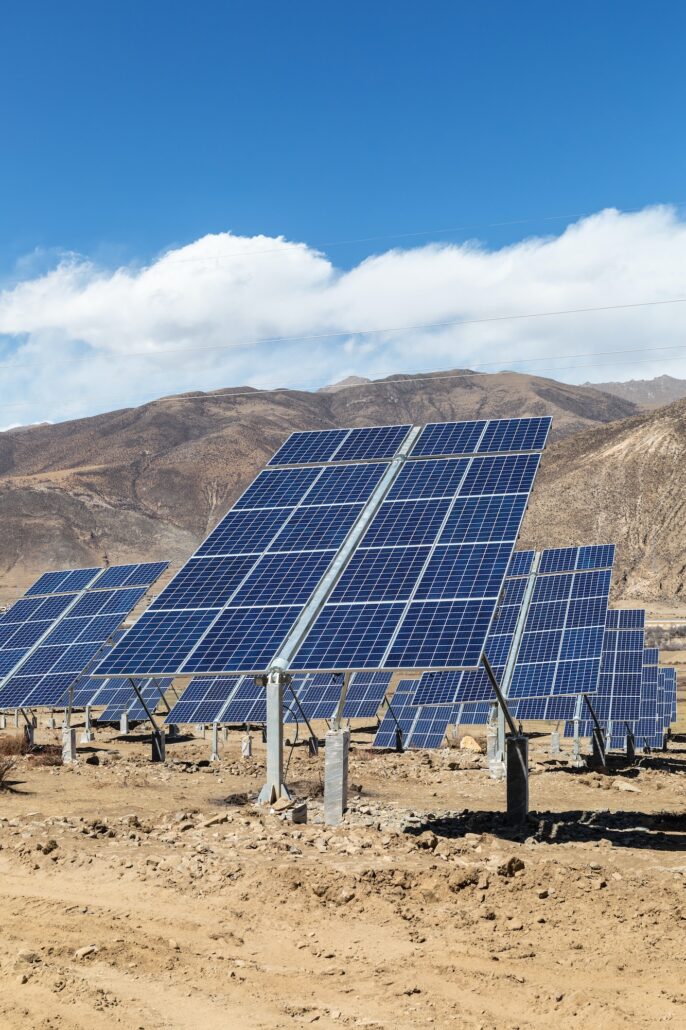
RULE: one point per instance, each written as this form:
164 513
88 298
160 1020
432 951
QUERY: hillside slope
647 393
151 481
623 483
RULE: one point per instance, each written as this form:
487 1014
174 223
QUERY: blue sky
129 129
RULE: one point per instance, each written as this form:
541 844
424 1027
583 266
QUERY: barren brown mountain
623 483
150 482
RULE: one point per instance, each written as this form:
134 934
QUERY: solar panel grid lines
621 681
559 643
435 612
203 700
120 698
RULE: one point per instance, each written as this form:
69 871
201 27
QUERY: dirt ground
137 895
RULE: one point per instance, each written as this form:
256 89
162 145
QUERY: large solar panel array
618 699
434 529
562 596
48 638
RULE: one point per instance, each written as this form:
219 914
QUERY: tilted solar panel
120 697
204 700
618 698
562 598
422 726
62 633
390 593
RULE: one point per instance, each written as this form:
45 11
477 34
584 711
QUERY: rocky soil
158 896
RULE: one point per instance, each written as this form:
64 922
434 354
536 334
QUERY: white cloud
80 338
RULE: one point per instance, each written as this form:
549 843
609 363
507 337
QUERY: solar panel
248 703
203 700
318 696
61 634
618 698
423 726
668 679
119 697
649 729
562 597
399 593
63 582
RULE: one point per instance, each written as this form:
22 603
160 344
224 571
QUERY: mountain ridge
150 482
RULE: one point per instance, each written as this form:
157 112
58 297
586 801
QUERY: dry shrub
6 767
47 754
14 744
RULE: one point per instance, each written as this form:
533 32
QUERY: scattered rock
24 955
513 866
89 949
468 743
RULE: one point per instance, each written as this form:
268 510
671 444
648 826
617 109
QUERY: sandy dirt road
193 912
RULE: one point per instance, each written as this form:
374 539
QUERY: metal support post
124 724
274 788
87 734
555 743
630 744
336 776
517 779
200 731
29 730
516 757
172 730
50 721
225 734
246 745
3 721
214 755
597 759
159 751
159 745
16 718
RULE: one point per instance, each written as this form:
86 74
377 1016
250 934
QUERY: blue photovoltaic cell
422 726
402 609
287 578
318 527
205 583
621 682
248 703
119 697
313 696
527 434
203 699
309 447
366 691
63 582
244 532
141 574
668 678
345 484
243 638
375 443
400 713
319 694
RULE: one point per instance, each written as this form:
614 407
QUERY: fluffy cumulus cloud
228 310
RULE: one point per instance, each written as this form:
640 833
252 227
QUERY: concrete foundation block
336 776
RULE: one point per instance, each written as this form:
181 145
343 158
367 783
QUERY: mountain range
150 482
